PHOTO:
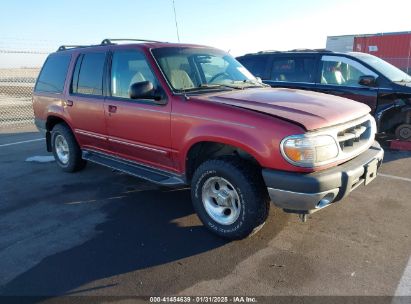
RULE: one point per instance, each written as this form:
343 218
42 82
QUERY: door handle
68 103
112 109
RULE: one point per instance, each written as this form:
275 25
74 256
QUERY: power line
2 51
175 19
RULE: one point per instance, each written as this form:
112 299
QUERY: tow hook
303 217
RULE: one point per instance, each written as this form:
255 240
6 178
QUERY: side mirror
259 79
142 90
367 80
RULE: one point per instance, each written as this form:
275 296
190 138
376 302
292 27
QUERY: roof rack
268 51
311 50
110 41
295 50
263 52
104 42
66 47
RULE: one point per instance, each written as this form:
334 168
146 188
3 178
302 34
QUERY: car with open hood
183 115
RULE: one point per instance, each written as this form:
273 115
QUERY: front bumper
309 192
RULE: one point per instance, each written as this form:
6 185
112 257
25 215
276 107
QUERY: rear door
339 75
293 71
138 129
85 102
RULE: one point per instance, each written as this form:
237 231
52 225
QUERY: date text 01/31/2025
203 299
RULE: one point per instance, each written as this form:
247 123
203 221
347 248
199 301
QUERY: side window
129 67
53 74
256 65
298 69
88 74
343 71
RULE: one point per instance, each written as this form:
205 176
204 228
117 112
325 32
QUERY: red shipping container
392 47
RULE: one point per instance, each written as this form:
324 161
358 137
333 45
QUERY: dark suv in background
358 76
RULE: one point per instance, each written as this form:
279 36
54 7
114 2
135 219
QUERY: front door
138 129
340 76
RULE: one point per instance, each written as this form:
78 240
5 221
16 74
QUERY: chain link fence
16 87
18 74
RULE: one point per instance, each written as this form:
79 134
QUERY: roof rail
104 42
110 41
268 51
66 47
311 50
262 52
295 51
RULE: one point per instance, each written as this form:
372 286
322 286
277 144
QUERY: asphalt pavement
103 233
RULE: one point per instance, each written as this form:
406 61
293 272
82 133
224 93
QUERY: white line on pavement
395 177
21 142
404 287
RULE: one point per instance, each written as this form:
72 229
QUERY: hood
310 109
405 85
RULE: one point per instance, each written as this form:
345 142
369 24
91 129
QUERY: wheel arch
51 121
202 150
393 114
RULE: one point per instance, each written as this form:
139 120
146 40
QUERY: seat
180 80
332 74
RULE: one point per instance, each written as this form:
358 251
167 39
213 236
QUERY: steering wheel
219 75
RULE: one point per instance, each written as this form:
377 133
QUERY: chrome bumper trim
302 201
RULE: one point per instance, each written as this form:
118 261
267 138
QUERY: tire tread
251 174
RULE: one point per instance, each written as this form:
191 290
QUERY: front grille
355 137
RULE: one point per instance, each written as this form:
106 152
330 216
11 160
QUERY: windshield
388 70
197 69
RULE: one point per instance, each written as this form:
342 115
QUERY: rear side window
293 69
53 74
88 74
256 65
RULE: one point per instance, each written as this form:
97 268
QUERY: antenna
175 19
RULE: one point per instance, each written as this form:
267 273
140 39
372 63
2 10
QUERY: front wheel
229 197
403 132
66 151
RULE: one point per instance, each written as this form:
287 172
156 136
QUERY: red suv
178 114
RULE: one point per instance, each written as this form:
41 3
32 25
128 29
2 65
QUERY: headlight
309 151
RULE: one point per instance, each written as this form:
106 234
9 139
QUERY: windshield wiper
207 87
212 86
253 83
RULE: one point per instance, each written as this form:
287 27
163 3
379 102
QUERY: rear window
88 74
53 74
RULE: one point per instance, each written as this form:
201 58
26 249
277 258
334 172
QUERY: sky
237 26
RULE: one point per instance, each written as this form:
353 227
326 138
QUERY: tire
403 132
65 149
239 185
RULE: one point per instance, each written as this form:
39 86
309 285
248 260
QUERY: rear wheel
403 132
230 197
66 151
